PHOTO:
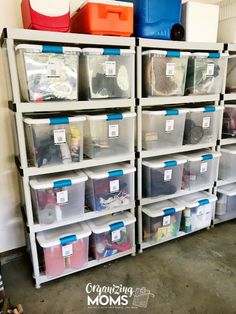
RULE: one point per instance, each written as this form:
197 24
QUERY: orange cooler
104 18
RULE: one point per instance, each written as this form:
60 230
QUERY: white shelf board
225 182
232 47
228 97
228 218
228 141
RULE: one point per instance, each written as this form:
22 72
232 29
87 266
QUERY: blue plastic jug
158 19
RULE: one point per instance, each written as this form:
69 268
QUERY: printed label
114 186
210 69
115 235
168 175
110 68
53 69
113 130
166 220
206 122
192 178
170 69
59 136
67 250
62 197
151 136
170 125
204 166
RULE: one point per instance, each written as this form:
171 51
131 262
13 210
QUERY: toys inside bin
227 169
164 72
229 121
110 186
225 206
112 234
48 72
106 73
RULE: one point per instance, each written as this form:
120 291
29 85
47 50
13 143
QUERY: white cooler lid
108 51
48 8
63 235
197 199
231 149
229 189
54 121
111 117
56 181
168 161
46 48
109 171
170 112
111 222
163 208
202 155
108 2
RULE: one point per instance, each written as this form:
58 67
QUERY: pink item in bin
65 248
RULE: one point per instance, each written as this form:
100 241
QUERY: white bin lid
169 161
214 55
54 121
56 181
111 117
108 2
229 189
197 199
163 208
46 49
165 52
207 109
111 222
202 155
48 8
108 51
231 149
171 112
109 171
63 235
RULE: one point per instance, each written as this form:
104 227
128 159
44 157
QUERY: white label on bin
204 166
170 125
59 136
170 69
114 186
193 178
67 250
151 136
166 220
206 122
116 235
210 69
53 69
62 197
200 210
168 175
113 130
110 68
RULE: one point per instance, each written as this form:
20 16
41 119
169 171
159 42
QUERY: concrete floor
195 274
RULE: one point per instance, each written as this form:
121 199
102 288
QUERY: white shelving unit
10 38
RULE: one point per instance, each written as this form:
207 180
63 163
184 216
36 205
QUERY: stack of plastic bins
226 204
65 248
161 221
231 73
48 72
110 186
229 121
163 129
59 197
162 176
227 170
200 169
202 125
108 135
112 234
164 72
106 73
198 213
54 141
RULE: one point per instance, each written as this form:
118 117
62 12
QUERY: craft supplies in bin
198 213
48 72
65 248
199 171
161 221
205 73
163 129
108 135
227 168
162 176
106 73
231 74
226 204
229 121
103 18
59 197
110 186
112 234
164 72
201 125
54 141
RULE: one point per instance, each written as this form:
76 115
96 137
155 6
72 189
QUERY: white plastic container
226 204
108 135
164 72
161 221
227 21
205 73
65 248
231 74
227 170
200 169
202 125
59 197
112 234
162 176
110 186
198 211
163 129
48 72
54 141
200 21
229 121
106 73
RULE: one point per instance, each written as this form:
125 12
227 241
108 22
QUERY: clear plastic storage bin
162 176
163 129
59 197
200 169
112 234
227 168
231 74
48 72
164 72
202 125
198 213
205 73
229 121
65 248
106 73
226 204
110 186
54 141
161 221
109 135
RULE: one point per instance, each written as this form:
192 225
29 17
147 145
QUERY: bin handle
105 11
